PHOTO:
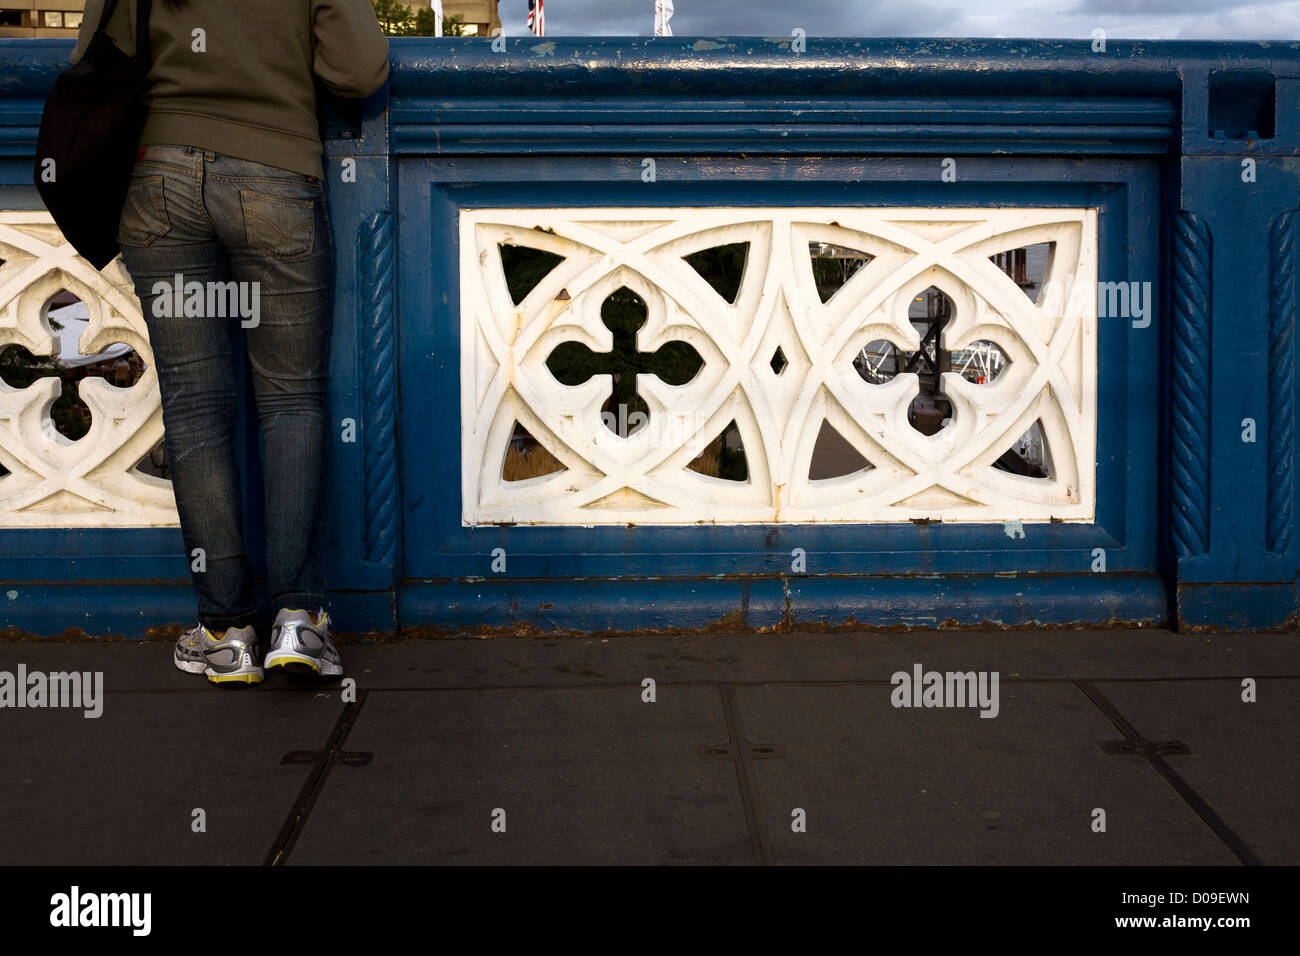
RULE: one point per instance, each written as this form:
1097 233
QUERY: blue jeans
256 239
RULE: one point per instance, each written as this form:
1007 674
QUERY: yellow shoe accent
283 660
236 678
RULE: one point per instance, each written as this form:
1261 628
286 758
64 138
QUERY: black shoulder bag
90 131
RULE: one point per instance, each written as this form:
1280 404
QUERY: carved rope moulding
55 482
643 477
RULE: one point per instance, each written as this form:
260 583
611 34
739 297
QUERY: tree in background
393 16
396 19
423 25
19 368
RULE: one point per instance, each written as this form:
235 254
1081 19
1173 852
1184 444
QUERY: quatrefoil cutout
778 361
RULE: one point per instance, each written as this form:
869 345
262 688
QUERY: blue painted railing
1196 523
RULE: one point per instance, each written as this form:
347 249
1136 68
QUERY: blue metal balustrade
1195 521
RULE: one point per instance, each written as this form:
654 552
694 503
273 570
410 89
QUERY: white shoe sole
254 676
282 658
190 667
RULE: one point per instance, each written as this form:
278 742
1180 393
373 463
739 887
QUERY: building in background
481 16
40 18
61 18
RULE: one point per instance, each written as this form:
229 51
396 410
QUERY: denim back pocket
144 213
279 225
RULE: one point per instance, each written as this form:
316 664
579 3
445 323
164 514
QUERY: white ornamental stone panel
1050 342
55 482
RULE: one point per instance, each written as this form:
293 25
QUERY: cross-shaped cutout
117 364
624 313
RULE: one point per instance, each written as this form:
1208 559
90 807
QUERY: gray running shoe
299 645
231 658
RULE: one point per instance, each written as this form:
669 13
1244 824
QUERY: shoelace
197 633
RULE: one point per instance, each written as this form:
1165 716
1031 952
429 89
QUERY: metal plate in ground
583 775
1245 758
123 788
945 786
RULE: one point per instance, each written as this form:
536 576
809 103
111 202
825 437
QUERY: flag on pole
663 13
536 18
437 17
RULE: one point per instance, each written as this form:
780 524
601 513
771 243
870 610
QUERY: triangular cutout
527 458
1029 456
833 456
525 268
724 457
626 499
722 267
154 462
1027 267
834 265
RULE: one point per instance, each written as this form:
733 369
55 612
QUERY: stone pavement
747 736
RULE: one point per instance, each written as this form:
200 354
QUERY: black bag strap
143 52
109 7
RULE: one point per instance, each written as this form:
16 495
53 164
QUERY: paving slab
587 776
553 730
126 665
698 658
1056 654
122 788
1245 757
886 785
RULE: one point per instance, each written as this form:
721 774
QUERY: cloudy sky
1167 19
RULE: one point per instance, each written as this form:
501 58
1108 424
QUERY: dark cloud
737 17
1280 22
1156 8
1208 19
